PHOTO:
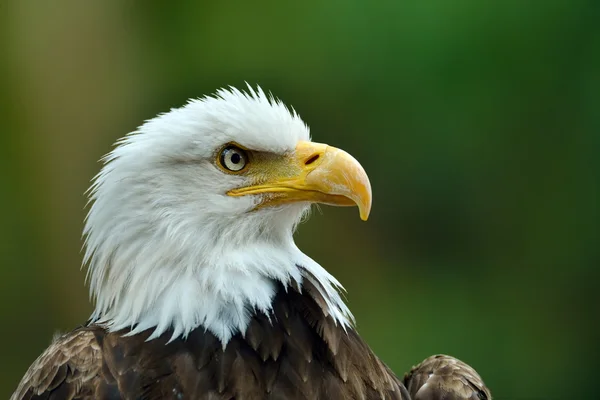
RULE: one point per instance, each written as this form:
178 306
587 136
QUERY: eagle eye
233 159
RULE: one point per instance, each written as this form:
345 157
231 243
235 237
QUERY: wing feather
445 377
69 368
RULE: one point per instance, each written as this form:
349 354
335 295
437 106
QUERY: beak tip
364 212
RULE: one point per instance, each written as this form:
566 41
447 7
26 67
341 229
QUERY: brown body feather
443 377
297 352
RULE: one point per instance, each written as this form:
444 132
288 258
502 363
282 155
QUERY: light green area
478 123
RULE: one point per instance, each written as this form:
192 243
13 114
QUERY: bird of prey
200 291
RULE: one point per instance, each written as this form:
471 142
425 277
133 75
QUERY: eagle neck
221 297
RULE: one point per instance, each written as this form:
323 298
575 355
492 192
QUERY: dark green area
477 122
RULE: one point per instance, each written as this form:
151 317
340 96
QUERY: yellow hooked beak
315 173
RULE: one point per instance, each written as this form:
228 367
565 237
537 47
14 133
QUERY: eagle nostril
312 159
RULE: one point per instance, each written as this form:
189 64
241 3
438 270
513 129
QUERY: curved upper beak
315 173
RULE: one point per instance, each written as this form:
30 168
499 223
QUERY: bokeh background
478 123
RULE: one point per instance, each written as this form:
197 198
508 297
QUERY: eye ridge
233 159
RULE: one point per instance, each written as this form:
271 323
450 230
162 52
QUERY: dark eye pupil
236 158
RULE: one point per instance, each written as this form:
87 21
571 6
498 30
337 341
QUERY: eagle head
193 214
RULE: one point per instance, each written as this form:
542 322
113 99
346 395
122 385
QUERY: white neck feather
164 280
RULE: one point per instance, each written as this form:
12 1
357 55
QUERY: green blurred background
478 123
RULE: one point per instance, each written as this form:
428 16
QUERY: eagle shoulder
69 368
445 377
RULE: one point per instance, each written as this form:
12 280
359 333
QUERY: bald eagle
200 291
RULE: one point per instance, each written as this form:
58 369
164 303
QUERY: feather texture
267 362
442 377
